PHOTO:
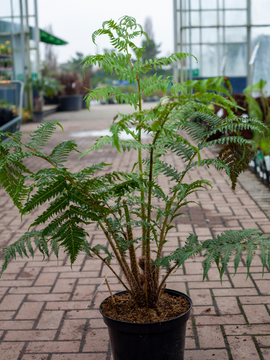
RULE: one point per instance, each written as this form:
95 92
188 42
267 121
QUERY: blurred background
42 44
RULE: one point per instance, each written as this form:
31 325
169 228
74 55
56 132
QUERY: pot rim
151 323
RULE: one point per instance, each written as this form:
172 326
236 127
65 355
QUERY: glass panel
221 35
261 69
220 4
236 64
235 17
260 10
209 4
5 8
259 34
33 59
232 4
31 7
209 35
195 18
209 63
185 36
221 17
209 18
16 7
195 50
184 21
4 27
222 53
195 35
236 34
194 4
185 4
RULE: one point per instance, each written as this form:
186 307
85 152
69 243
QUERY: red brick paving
43 313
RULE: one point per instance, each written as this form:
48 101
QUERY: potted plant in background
85 85
131 208
70 98
45 86
259 108
74 68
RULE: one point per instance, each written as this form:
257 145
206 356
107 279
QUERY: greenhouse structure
19 40
229 38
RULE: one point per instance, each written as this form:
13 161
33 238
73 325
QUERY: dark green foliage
122 202
222 249
237 158
151 49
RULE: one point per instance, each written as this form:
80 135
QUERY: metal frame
15 124
182 24
24 36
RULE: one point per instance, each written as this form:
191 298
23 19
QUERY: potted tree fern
146 321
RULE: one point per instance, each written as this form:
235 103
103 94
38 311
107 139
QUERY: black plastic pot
70 102
38 116
84 106
158 341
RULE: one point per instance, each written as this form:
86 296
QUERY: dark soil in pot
157 340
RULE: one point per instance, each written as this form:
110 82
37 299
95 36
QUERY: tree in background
148 27
74 64
151 48
50 65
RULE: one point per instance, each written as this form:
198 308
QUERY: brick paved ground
43 314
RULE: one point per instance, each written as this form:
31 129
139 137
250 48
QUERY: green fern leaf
237 158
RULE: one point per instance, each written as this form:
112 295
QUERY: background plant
124 203
260 109
45 86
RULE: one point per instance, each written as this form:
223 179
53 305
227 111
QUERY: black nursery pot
158 341
70 102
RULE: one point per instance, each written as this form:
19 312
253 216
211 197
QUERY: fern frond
218 163
161 167
45 194
191 248
12 175
234 243
20 248
61 152
237 158
181 147
44 132
98 248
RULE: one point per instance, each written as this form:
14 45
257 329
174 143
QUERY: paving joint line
19 307
22 352
226 342
83 339
39 316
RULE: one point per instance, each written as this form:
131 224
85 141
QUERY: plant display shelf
5 71
261 168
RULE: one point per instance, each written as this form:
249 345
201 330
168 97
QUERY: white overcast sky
76 20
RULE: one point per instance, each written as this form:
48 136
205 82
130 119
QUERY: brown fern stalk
132 252
120 258
134 284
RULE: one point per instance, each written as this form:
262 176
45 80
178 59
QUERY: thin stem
141 172
118 256
165 278
105 262
140 159
132 252
34 151
168 208
146 295
122 260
